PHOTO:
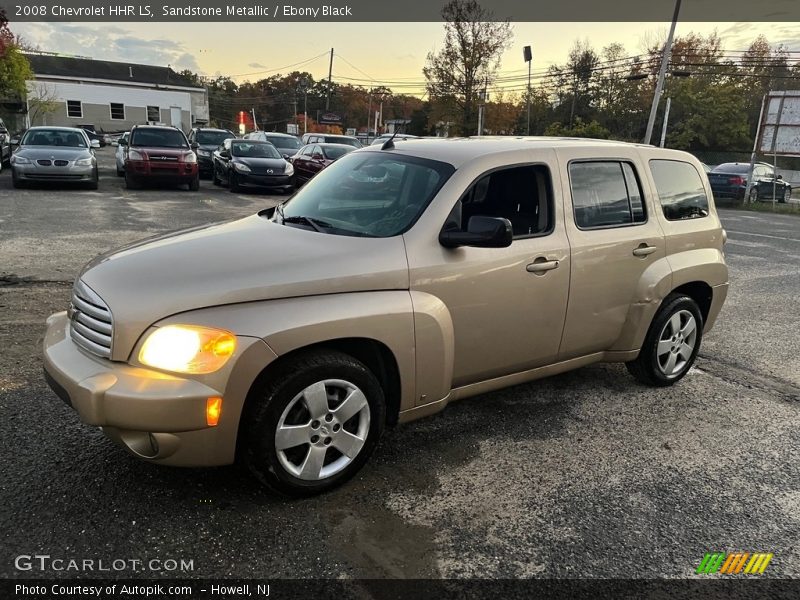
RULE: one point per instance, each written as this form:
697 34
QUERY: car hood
246 260
52 152
276 164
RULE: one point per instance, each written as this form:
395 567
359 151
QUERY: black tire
272 396
214 179
93 185
646 368
787 194
130 182
194 184
120 172
754 194
15 182
233 183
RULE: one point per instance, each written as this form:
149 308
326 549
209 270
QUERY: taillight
737 180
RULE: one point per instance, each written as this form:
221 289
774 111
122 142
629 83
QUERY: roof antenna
389 144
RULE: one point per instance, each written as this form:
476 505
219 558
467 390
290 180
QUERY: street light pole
661 74
527 54
666 120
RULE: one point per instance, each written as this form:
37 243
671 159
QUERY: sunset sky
380 51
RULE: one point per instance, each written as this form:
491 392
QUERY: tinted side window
680 189
605 194
523 195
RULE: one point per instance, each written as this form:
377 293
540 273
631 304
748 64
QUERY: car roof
161 127
56 127
330 145
277 134
459 151
213 129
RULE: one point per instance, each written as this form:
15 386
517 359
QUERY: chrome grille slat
91 321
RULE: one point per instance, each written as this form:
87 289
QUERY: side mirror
95 143
3 131
195 145
779 176
224 154
482 232
285 156
122 142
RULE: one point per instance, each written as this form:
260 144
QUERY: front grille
91 323
61 163
163 157
52 176
44 162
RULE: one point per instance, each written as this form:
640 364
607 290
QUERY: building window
74 109
153 113
117 111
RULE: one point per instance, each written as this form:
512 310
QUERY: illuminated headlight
241 167
85 162
202 152
134 155
190 157
289 169
19 160
187 349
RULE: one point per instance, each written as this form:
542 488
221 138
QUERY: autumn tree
468 61
14 67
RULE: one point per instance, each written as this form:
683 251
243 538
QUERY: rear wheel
313 423
753 194
787 194
671 344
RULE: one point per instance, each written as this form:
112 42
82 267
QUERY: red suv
161 155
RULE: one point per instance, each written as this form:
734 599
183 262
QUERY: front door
507 304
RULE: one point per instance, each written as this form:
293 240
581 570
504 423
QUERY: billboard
780 124
329 117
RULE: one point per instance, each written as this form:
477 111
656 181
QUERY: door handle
644 250
541 265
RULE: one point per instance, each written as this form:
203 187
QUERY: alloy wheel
676 343
322 429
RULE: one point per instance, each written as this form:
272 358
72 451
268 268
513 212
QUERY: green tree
14 67
468 61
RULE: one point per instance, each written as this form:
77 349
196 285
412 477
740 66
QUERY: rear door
614 238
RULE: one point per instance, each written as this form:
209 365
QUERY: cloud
255 65
107 43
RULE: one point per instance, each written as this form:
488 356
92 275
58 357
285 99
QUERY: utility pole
330 75
483 95
369 110
666 120
528 55
255 125
661 74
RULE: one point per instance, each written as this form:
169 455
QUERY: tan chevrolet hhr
399 279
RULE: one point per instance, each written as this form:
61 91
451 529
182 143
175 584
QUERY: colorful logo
734 563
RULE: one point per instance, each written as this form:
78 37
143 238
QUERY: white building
112 96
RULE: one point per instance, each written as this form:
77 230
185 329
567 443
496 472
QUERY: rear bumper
155 416
737 193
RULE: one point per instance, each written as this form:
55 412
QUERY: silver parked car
120 155
57 154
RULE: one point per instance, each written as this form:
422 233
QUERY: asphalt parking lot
586 474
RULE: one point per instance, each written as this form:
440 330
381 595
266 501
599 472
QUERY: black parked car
207 139
251 163
5 144
729 180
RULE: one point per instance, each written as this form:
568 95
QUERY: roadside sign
780 126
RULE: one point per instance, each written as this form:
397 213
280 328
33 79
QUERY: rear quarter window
679 189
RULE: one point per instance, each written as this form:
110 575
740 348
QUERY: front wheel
130 181
233 183
787 195
671 344
313 423
214 177
194 184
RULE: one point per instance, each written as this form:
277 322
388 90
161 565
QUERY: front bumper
168 171
70 172
264 181
154 415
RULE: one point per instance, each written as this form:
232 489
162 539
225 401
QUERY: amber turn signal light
213 410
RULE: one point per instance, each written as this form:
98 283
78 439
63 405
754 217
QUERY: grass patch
769 207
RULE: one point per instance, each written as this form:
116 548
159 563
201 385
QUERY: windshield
212 138
375 194
254 150
54 137
732 168
284 143
158 138
333 152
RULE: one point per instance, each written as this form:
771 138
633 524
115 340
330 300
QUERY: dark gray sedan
54 154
